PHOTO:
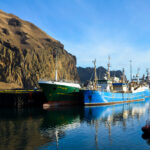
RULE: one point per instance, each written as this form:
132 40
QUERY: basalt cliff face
27 54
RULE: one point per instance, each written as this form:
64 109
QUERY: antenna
130 70
138 71
108 72
147 70
137 75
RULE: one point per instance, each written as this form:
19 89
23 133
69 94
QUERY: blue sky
92 29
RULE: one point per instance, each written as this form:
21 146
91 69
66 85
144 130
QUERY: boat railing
69 81
61 80
105 90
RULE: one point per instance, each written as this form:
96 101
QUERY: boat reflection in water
111 116
121 111
59 120
82 126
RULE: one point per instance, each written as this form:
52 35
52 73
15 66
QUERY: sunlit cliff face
27 54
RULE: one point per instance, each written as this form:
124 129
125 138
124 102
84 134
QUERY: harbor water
71 128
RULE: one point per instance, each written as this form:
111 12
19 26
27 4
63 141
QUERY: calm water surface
75 128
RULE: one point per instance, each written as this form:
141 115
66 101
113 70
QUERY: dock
21 98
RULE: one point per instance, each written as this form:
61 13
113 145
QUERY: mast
123 76
137 75
95 76
108 72
147 70
130 70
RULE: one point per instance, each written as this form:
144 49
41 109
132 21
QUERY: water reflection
19 129
100 127
59 120
110 115
123 111
114 115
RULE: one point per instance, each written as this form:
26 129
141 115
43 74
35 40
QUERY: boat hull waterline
93 97
60 94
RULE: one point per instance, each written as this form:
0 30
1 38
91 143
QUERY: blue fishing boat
111 91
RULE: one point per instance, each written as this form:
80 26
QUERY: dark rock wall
88 73
27 54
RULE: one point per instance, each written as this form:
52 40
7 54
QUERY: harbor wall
21 98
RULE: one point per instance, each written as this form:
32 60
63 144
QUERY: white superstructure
76 85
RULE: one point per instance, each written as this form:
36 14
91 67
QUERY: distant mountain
88 73
27 54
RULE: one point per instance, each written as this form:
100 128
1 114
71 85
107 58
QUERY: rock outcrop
27 54
88 73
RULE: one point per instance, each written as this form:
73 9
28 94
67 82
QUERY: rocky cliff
28 54
88 73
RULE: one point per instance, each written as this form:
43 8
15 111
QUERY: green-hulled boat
60 92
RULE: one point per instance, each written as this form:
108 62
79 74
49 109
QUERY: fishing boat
109 91
60 92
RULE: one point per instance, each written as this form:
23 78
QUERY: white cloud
102 34
120 54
